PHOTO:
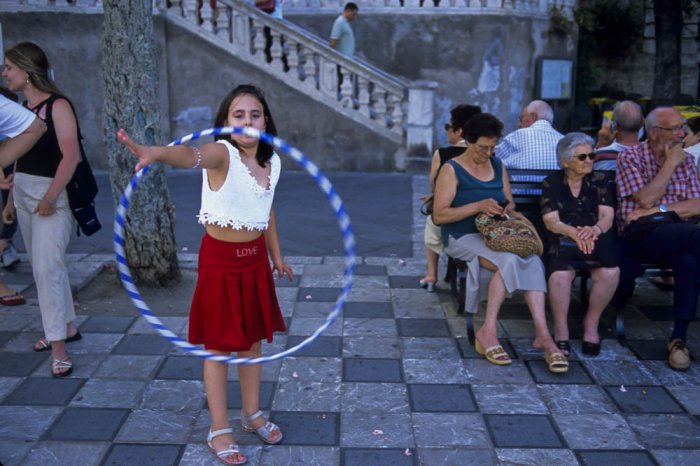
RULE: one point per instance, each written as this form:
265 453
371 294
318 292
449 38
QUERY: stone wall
483 59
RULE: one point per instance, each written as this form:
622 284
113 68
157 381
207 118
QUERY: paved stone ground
392 382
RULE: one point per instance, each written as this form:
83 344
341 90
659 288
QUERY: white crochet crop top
240 203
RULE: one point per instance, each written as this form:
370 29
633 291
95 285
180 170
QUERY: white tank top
240 203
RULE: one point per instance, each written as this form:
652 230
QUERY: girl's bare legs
603 285
215 388
249 377
431 273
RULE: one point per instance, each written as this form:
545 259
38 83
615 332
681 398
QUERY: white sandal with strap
264 431
228 455
65 366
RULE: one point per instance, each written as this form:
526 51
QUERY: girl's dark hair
31 59
265 151
482 125
694 124
462 113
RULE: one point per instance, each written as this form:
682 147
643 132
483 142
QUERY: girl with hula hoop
234 305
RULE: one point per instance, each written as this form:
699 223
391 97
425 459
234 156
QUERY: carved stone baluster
363 96
328 77
240 33
292 50
62 3
190 11
276 50
346 88
207 15
309 68
379 100
258 41
396 114
222 18
175 7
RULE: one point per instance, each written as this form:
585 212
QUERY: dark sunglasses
582 157
448 126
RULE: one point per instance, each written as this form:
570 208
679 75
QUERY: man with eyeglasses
534 144
655 180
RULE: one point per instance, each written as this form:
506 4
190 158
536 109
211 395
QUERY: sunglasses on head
582 157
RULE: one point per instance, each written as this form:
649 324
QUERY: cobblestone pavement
392 382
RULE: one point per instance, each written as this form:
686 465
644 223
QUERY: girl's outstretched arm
210 156
273 247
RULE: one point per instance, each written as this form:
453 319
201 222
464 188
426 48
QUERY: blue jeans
678 246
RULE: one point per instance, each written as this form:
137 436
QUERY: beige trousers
46 239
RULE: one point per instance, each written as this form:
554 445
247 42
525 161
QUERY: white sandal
228 455
59 364
264 431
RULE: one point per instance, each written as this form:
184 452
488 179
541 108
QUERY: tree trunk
130 84
668 22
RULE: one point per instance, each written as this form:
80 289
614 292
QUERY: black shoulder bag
82 188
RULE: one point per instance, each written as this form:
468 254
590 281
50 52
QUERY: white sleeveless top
240 203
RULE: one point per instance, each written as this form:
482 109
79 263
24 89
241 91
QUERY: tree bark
130 83
668 22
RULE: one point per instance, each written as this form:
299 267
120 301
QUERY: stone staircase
395 109
368 96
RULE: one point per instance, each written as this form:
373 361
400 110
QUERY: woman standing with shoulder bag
40 199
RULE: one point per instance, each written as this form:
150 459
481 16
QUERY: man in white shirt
533 145
20 130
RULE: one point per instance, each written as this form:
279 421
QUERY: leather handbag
509 234
82 187
646 224
82 190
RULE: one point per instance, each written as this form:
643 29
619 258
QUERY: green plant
559 22
615 27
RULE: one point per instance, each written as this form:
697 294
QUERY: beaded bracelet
198 153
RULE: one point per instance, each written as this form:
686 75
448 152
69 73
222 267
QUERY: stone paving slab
392 381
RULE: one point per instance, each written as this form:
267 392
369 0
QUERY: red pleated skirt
234 303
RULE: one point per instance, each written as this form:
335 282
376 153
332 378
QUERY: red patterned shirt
637 166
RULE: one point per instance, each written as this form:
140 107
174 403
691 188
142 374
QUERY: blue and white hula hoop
323 183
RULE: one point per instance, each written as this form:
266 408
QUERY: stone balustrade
527 7
518 7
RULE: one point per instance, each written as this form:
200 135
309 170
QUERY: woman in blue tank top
476 182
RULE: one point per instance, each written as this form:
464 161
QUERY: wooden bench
526 187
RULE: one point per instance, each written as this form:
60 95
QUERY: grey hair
541 109
652 119
567 144
628 116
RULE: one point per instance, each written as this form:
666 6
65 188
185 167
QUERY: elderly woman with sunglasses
578 212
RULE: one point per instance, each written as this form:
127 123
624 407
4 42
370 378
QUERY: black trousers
678 247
